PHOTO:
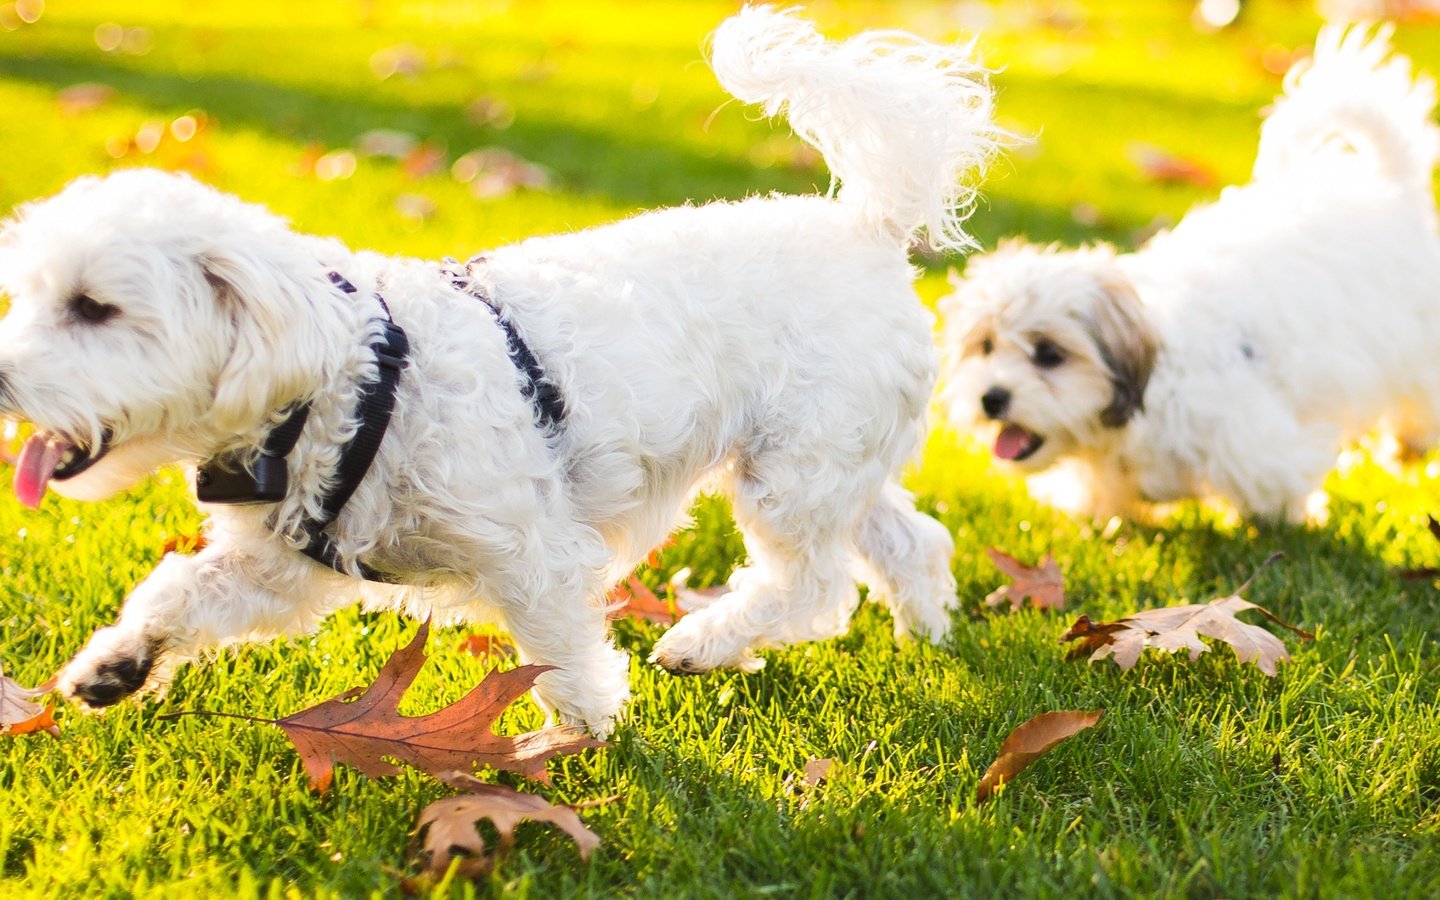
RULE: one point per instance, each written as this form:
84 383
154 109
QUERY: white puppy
1237 354
560 404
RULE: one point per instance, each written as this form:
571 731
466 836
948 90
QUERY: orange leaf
369 731
1031 741
1043 584
485 645
1161 165
185 543
635 599
19 714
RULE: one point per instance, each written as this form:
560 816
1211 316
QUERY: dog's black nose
995 401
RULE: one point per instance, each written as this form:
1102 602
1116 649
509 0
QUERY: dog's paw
917 622
688 648
112 666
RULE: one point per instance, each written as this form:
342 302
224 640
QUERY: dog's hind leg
798 517
904 556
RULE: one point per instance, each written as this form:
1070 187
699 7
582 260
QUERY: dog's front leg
187 605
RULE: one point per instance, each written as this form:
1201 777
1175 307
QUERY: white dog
1237 354
561 399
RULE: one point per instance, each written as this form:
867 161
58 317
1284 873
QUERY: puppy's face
1045 351
120 329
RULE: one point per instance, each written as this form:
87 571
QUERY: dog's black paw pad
114 681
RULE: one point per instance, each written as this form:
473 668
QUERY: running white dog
561 401
1236 355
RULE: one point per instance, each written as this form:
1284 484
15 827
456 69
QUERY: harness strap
225 480
542 393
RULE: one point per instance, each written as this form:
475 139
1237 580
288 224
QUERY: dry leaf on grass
84 97
817 770
486 645
448 832
1160 165
1043 584
368 731
1181 627
185 544
632 598
1031 741
20 714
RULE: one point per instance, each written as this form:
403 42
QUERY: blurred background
435 128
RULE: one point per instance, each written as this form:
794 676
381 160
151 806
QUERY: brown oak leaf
1043 584
1177 628
448 830
367 730
19 714
1031 741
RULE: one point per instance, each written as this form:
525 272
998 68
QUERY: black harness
540 391
228 480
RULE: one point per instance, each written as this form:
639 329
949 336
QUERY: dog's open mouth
47 457
1015 443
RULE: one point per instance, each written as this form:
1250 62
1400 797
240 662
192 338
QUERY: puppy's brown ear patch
1128 346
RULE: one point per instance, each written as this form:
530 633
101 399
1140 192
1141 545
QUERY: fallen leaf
1043 584
493 173
415 207
1177 628
491 112
423 160
19 714
485 645
185 544
632 598
401 59
388 142
363 732
84 97
817 770
448 830
1161 165
1031 741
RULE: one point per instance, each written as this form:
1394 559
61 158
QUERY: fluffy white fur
772 348
1237 354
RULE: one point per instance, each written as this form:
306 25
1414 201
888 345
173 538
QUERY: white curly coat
771 348
1236 355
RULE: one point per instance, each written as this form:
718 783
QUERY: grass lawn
1203 779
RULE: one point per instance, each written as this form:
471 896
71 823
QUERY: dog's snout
995 402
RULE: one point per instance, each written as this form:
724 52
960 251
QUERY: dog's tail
902 123
1354 97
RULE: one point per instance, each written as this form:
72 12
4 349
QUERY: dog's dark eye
92 310
1047 355
987 347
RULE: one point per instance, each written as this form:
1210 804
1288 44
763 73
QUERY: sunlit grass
1204 779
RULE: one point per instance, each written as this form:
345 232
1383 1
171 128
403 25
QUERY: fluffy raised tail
902 123
1353 97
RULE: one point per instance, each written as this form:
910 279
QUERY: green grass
1204 779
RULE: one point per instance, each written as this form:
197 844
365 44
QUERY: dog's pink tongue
37 462
1012 442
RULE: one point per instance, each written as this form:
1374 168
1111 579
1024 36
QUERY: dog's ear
1128 344
267 361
